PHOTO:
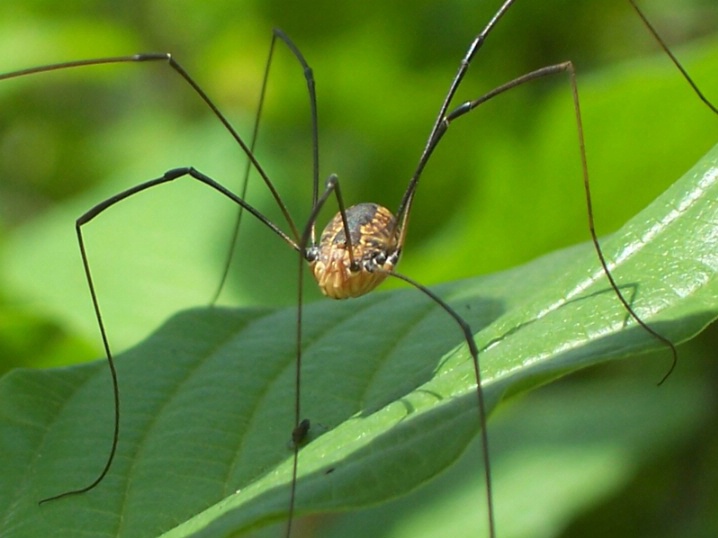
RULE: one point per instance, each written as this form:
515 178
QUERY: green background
505 181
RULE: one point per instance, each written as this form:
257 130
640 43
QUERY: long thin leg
311 92
673 58
245 180
307 238
568 67
171 175
481 402
177 68
408 198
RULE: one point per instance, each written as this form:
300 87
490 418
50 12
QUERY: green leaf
207 401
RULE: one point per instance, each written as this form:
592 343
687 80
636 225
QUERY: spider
357 273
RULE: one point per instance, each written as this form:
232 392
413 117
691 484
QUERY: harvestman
362 244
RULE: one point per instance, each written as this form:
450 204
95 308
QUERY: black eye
311 254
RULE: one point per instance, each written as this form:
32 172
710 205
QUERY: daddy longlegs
300 239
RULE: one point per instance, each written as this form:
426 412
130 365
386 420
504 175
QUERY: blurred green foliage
503 188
